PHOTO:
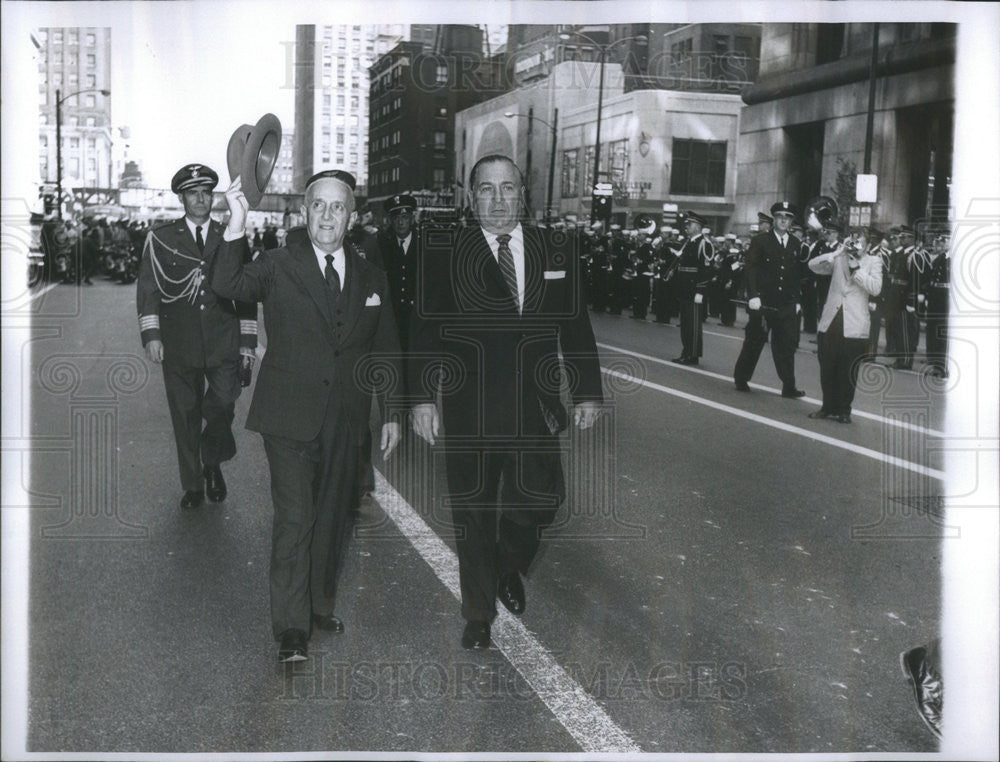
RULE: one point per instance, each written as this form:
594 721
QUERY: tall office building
331 96
74 66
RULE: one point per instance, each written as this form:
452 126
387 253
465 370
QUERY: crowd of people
77 250
655 271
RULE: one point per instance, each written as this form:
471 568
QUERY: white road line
812 400
868 453
583 717
43 291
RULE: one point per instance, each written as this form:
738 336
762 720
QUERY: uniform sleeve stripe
149 322
248 326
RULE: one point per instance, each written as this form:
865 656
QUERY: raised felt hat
193 176
252 153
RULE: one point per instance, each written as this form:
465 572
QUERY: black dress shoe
682 360
742 386
843 418
192 498
925 679
510 591
328 622
293 646
215 485
819 414
793 393
476 636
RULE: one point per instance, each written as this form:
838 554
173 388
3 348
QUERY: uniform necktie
199 240
332 279
506 259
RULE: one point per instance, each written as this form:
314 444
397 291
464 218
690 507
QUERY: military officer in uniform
764 222
693 272
643 259
901 300
198 337
664 297
773 282
937 290
399 243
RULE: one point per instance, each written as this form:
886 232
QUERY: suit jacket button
203 306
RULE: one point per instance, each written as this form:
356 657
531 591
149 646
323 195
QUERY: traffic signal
600 203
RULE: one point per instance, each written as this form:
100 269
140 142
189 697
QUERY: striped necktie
506 259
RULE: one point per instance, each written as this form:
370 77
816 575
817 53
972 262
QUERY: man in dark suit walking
328 319
773 281
198 337
496 305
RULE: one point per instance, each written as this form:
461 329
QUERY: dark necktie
506 259
332 279
199 240
402 244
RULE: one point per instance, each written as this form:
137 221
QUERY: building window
91 144
442 75
73 79
440 140
74 37
619 161
90 80
829 42
588 169
90 121
439 179
699 168
340 138
571 173
91 60
90 101
74 144
57 36
91 40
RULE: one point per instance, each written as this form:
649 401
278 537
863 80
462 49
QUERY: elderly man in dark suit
328 318
198 337
773 282
495 306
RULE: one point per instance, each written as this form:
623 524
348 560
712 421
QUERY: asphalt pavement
727 575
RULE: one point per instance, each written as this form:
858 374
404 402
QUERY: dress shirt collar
339 261
192 228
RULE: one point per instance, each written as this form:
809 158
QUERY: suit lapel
309 275
534 267
356 290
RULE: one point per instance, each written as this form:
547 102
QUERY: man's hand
390 438
238 206
426 422
910 308
798 309
585 415
154 350
754 304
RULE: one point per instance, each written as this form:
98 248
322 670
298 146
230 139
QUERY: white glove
238 206
910 309
698 298
798 309
920 298
754 304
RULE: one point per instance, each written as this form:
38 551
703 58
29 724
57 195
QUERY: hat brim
258 157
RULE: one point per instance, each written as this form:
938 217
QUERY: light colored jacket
847 290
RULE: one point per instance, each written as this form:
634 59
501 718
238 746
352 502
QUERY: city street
727 574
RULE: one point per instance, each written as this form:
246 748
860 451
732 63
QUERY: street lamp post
552 153
59 101
640 39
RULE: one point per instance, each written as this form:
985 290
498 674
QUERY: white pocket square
373 301
554 274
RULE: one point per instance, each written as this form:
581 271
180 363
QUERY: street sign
866 189
603 189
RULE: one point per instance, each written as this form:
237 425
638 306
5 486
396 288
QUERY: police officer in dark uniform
693 273
620 290
199 338
664 296
773 292
937 291
731 271
643 263
901 299
399 243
